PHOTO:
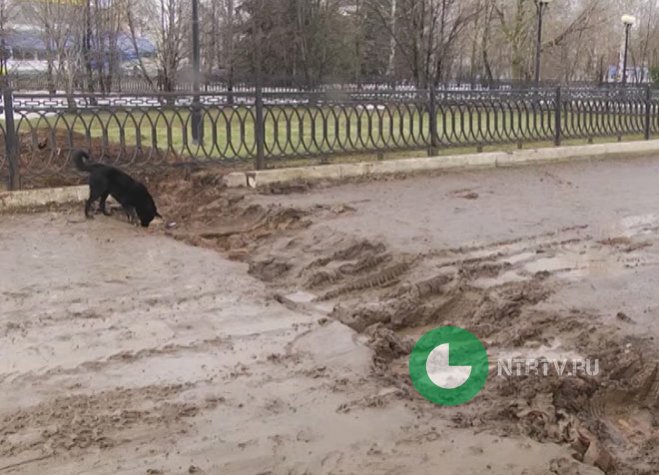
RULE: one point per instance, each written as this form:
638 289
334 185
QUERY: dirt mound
387 345
202 212
44 157
597 415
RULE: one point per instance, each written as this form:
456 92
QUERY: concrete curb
16 200
340 171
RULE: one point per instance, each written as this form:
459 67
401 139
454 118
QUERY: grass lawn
297 132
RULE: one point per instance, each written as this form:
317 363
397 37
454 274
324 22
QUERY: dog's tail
81 160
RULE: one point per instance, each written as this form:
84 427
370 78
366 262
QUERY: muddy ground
271 334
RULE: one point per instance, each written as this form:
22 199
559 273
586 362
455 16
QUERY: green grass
292 132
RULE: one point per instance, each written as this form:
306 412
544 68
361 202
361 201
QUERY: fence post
433 146
11 142
197 121
259 129
648 107
557 117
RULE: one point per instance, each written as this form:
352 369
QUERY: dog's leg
135 218
131 215
88 208
89 205
97 187
101 205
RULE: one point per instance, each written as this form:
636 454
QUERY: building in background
635 74
36 31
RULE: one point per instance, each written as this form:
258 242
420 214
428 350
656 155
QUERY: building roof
33 40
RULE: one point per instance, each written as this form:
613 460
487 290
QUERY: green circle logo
449 366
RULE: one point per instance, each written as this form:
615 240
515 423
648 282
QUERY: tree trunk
87 45
391 64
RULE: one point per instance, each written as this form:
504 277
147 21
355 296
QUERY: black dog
105 180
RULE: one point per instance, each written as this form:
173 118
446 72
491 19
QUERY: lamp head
628 20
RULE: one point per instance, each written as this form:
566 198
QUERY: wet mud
363 270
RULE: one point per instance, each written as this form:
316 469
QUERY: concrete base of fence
340 171
16 200
22 199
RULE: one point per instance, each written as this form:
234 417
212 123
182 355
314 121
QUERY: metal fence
154 130
131 83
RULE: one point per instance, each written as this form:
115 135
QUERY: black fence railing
154 130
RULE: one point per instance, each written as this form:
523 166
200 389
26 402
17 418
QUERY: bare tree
56 23
131 11
392 42
425 34
426 41
5 16
173 25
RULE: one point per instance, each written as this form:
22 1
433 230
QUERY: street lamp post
4 81
540 4
196 122
628 21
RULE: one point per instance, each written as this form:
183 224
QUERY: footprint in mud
464 193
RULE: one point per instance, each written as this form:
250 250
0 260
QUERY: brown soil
501 291
71 423
392 297
44 158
